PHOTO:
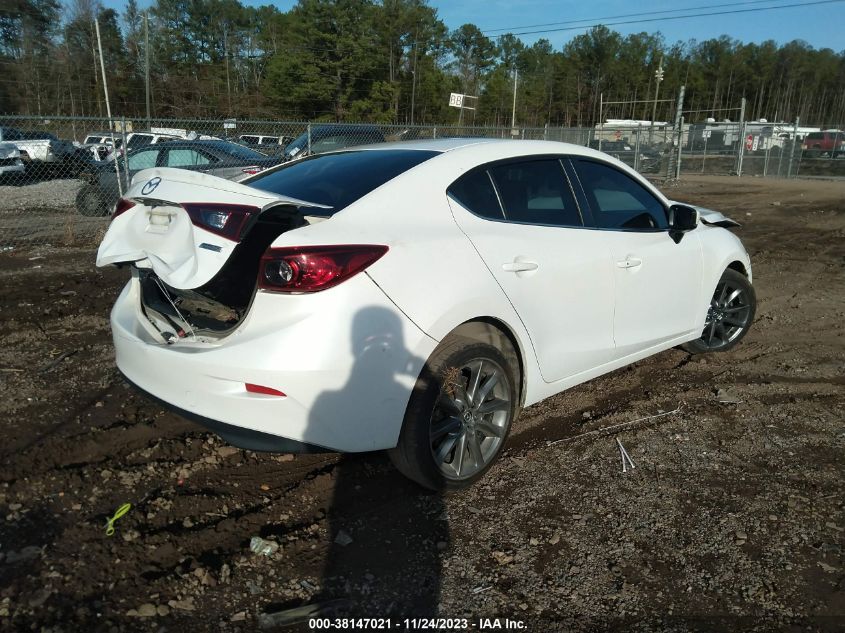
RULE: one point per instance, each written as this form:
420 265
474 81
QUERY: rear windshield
238 151
338 180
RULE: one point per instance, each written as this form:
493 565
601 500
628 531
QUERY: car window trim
590 159
521 159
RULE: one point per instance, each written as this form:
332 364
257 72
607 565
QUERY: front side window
617 200
183 157
143 159
536 192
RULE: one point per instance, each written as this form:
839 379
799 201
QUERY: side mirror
681 219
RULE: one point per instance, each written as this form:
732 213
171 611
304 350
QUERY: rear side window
815 135
536 192
617 200
475 192
184 157
338 180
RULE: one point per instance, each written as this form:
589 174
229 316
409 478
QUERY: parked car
624 151
828 143
221 158
101 145
10 160
273 145
327 138
39 150
412 297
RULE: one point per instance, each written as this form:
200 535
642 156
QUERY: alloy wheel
728 315
471 418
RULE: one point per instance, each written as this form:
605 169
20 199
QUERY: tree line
388 61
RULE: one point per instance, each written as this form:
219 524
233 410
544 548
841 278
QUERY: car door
523 220
657 281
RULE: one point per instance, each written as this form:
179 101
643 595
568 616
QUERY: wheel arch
493 331
739 267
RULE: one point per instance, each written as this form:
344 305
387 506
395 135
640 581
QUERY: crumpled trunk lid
178 226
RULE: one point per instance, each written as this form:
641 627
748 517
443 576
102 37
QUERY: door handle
629 262
518 266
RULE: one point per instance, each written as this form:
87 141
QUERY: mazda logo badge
151 185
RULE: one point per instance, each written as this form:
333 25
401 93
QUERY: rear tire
90 203
729 315
459 415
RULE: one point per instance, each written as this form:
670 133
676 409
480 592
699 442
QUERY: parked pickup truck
827 143
37 147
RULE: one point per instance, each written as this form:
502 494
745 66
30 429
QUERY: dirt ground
732 519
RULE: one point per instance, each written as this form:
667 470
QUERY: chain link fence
61 176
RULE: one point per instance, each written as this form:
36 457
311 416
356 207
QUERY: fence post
792 151
680 146
434 133
125 150
678 108
741 148
637 150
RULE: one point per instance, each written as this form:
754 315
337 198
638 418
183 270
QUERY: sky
821 23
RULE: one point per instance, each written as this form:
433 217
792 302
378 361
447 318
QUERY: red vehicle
828 143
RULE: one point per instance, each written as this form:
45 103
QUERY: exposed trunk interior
220 304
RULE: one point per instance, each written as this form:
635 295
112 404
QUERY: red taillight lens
227 220
267 391
314 268
123 205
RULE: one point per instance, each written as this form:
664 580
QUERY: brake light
123 205
267 391
314 268
226 220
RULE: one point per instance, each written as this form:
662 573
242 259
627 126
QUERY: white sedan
411 296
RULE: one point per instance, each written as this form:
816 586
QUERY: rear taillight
226 220
123 205
314 268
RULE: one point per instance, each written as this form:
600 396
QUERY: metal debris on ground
300 614
627 462
262 547
610 429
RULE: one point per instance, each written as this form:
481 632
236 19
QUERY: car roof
501 147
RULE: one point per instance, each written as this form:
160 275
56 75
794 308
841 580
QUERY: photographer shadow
387 534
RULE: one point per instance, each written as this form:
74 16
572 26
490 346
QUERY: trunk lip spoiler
189 178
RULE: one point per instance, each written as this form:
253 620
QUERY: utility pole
414 84
658 76
103 71
108 106
513 112
147 60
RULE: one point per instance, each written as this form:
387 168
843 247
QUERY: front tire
458 417
729 315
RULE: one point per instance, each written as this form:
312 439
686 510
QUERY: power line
629 15
679 17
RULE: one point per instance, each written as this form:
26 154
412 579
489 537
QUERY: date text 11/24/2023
416 624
